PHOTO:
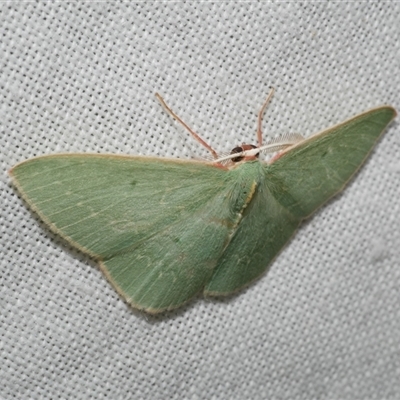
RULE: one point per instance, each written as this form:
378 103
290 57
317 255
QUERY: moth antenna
291 136
186 126
223 158
260 115
281 142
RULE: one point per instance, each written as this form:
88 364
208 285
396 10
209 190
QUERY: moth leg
191 131
260 115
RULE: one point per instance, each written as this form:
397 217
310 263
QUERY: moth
164 229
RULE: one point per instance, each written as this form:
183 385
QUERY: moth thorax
241 149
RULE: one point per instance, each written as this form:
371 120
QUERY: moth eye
237 150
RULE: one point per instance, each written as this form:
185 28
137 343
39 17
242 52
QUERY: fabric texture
324 321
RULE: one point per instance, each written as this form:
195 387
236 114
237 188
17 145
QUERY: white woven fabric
324 322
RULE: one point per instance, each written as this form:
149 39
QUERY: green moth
164 229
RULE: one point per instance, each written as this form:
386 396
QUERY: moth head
245 155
